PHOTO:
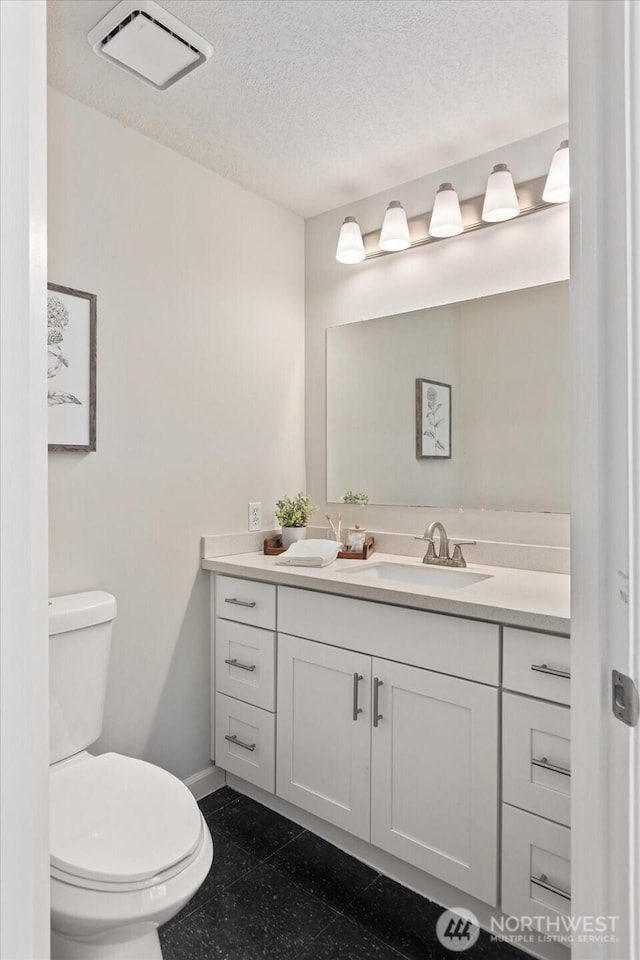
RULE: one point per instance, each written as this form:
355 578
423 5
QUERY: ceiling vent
143 39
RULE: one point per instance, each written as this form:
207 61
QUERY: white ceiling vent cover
143 39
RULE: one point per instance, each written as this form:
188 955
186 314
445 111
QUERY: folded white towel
310 553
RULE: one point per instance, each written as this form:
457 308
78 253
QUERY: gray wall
515 375
200 405
371 373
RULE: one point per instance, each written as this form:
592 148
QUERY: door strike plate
624 698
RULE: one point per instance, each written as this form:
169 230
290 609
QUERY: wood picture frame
433 420
72 358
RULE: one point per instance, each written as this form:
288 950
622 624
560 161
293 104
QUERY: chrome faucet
443 556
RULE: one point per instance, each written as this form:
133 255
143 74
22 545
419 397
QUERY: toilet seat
120 824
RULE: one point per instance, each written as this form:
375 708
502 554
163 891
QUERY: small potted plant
356 535
293 515
362 499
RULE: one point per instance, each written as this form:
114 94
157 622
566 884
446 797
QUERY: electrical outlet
255 516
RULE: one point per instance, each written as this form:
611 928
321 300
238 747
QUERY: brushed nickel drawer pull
551 671
241 666
356 709
376 687
240 603
542 881
232 738
545 765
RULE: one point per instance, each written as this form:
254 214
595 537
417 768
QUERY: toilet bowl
129 846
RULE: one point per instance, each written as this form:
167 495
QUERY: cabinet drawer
245 741
536 868
536 764
463 648
245 663
246 602
537 664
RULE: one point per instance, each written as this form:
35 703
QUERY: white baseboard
435 890
206 781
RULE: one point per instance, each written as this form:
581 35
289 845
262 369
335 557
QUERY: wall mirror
460 405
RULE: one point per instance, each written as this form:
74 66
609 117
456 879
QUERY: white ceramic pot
292 534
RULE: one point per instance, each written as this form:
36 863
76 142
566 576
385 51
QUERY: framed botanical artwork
71 368
433 419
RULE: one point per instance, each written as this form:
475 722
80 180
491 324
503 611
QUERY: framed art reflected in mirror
433 419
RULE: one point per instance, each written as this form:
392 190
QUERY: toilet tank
79 644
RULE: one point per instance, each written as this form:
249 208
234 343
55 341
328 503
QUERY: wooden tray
273 547
369 547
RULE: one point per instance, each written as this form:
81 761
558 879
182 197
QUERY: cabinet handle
356 709
376 686
542 881
545 765
241 666
232 738
543 668
240 603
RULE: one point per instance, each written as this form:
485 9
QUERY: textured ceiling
315 103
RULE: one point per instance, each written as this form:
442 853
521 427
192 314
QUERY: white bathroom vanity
417 717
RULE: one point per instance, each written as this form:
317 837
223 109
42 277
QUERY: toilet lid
117 819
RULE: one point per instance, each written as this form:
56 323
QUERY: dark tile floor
278 892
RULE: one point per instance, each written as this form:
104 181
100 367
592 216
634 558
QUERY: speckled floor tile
178 944
255 828
230 863
216 800
346 940
263 916
402 919
322 869
407 922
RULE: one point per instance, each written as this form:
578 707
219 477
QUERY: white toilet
129 846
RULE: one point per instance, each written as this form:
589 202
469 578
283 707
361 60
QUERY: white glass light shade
395 229
556 189
446 219
350 246
500 200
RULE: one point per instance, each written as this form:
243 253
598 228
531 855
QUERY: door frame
604 114
24 664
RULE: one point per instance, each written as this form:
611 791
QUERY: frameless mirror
461 405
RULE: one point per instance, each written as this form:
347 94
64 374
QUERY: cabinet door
434 784
324 732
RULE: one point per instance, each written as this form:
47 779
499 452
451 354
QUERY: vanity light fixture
446 219
350 245
556 189
500 199
395 229
450 216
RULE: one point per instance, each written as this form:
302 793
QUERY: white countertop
520 598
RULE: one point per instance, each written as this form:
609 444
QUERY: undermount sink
424 575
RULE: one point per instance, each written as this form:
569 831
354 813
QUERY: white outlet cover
255 516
